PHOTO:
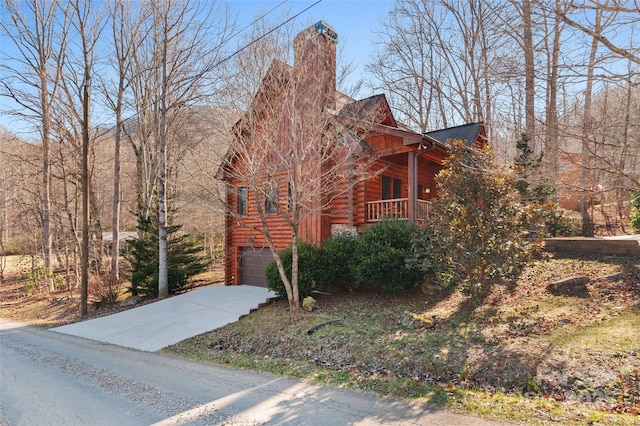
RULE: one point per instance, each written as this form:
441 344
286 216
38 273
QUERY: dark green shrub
307 255
475 237
334 262
560 222
635 211
381 257
542 216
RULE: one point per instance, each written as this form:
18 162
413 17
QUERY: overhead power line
265 34
217 64
255 21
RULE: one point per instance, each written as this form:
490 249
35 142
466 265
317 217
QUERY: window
386 187
391 188
290 198
397 185
270 199
242 201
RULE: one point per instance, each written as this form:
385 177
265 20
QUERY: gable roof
374 108
467 132
272 86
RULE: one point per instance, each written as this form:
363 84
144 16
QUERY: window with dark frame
242 201
386 188
397 188
270 199
391 188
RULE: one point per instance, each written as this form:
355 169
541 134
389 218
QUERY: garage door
253 262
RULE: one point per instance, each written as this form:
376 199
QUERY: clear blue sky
353 20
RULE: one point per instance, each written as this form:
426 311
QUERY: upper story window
290 197
242 201
271 197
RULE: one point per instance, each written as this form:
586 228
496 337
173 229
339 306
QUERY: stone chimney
315 61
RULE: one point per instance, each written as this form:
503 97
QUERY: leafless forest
127 107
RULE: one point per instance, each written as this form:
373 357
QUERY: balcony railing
424 209
397 208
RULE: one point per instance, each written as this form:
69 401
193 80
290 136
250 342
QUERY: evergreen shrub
476 234
635 211
382 255
334 263
185 257
307 264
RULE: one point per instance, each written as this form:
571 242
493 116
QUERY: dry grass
21 301
524 355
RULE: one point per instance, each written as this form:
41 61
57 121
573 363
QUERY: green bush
635 211
476 233
307 255
542 217
549 220
37 278
334 263
560 222
381 257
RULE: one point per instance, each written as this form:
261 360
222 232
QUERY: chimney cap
322 27
319 27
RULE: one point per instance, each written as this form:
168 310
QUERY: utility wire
217 64
265 34
255 21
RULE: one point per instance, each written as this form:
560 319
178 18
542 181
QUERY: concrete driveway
160 324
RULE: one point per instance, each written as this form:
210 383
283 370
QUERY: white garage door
254 261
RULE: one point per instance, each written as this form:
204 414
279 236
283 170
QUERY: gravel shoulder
51 379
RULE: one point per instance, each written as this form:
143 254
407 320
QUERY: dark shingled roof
467 132
373 108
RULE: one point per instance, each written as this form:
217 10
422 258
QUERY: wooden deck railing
397 208
424 209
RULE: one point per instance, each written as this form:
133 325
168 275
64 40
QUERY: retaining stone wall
622 247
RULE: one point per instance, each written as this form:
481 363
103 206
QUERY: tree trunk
84 279
115 220
163 269
529 67
294 300
45 104
46 182
551 133
587 136
86 185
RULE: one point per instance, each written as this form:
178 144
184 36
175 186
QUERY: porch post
413 185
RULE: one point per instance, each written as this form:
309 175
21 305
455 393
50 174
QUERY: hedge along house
309 162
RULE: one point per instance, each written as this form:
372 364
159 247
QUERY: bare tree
529 67
126 25
586 134
443 62
86 25
178 54
551 116
9 190
627 14
20 195
406 64
39 38
292 154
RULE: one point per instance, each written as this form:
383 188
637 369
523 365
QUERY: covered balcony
398 208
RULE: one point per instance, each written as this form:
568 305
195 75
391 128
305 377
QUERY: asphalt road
47 378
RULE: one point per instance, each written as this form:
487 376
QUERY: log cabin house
407 163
